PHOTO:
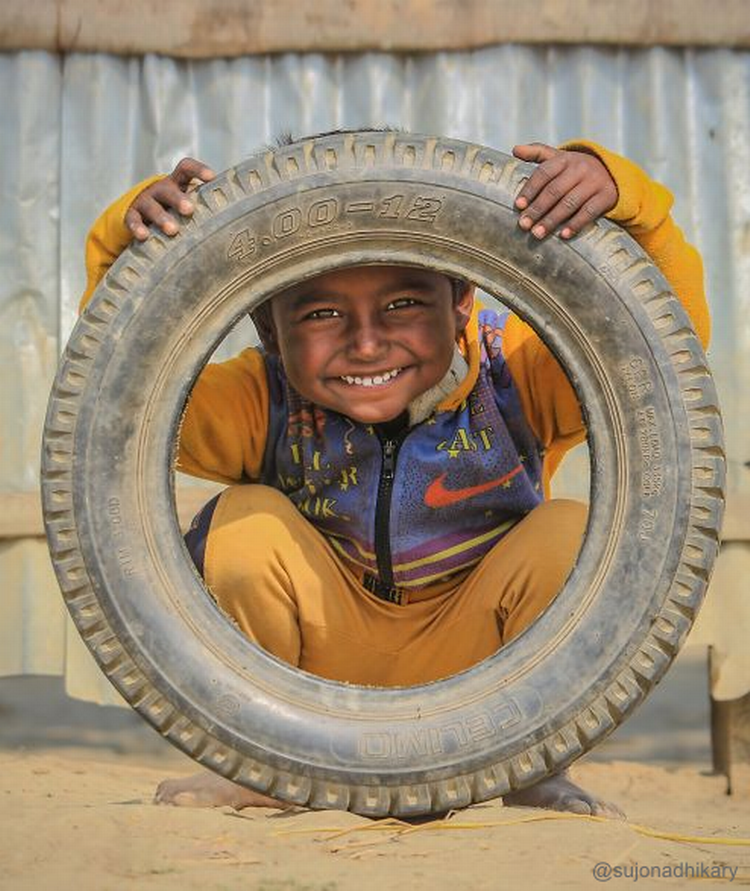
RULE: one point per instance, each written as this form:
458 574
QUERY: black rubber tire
657 476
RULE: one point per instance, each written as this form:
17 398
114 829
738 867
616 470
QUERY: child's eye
326 313
403 302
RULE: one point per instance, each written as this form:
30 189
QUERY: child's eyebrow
409 284
299 301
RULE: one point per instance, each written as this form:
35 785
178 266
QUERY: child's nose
368 340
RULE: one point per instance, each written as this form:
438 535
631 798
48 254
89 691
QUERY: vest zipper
383 509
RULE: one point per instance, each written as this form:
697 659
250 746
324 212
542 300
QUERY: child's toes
560 793
573 804
210 790
601 808
582 802
175 793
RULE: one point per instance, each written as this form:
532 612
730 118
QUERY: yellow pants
272 571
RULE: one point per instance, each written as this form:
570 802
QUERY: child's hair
286 138
262 316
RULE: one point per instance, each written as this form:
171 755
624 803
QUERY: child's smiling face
367 340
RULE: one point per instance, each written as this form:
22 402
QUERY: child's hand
565 192
154 202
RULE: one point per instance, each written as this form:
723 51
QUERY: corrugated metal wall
77 131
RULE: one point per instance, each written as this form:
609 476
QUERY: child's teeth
371 381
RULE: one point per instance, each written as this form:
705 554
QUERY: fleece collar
458 381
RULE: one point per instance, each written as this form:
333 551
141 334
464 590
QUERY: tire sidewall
175 301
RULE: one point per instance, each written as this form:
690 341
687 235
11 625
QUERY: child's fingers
152 206
152 212
536 152
574 206
134 222
596 206
566 192
189 169
552 167
559 199
169 194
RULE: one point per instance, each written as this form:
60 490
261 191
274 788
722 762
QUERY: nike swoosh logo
436 495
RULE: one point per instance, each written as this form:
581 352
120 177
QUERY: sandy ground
77 781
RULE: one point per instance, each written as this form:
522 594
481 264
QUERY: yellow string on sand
391 823
399 828
690 839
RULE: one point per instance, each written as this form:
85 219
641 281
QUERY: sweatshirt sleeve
642 209
223 431
108 238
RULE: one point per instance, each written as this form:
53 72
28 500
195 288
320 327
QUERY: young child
388 451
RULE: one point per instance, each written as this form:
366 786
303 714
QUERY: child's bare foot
210 790
560 793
